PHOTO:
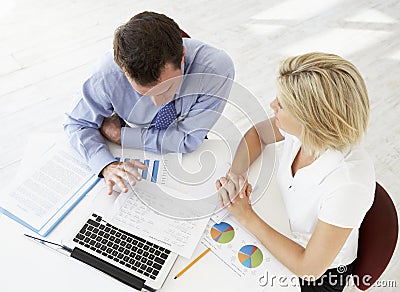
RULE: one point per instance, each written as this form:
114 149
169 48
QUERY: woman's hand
236 198
240 180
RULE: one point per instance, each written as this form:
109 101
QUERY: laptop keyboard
122 247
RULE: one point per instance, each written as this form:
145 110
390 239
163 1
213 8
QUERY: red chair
377 240
184 34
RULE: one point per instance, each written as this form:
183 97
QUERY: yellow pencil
192 263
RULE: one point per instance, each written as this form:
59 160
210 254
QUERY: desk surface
28 266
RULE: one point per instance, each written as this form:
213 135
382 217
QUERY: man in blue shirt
168 90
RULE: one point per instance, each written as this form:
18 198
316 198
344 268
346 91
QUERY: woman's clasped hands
234 192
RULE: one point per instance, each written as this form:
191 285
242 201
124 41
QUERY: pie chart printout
222 232
250 256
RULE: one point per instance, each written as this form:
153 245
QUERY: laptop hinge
113 271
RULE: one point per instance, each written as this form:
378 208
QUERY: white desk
210 274
28 266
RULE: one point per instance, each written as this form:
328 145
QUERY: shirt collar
323 165
178 91
329 161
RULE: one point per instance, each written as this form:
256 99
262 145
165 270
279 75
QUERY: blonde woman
326 179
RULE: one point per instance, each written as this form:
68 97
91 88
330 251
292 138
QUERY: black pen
64 247
97 263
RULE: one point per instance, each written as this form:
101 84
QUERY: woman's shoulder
355 171
349 190
359 167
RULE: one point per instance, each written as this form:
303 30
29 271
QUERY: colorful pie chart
250 256
222 232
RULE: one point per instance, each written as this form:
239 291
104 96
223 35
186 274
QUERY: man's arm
188 133
82 125
83 128
183 137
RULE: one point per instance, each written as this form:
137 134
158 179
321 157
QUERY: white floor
48 47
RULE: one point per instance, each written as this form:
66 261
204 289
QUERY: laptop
137 262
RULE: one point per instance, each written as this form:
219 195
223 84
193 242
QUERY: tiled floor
48 47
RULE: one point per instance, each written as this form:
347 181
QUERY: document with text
41 196
132 213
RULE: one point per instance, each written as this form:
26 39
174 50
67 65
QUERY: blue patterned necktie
165 116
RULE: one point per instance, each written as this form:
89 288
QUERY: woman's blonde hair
328 96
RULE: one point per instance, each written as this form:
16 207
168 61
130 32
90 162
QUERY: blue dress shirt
207 79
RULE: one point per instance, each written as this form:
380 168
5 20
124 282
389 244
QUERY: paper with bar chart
157 171
192 175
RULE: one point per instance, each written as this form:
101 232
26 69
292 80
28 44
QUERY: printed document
178 235
41 196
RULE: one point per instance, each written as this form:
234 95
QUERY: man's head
148 48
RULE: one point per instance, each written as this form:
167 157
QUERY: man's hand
111 129
116 172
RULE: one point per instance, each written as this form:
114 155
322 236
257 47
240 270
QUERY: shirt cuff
132 138
100 160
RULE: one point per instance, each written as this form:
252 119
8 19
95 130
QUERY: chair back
377 240
184 34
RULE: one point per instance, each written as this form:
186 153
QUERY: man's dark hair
144 45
